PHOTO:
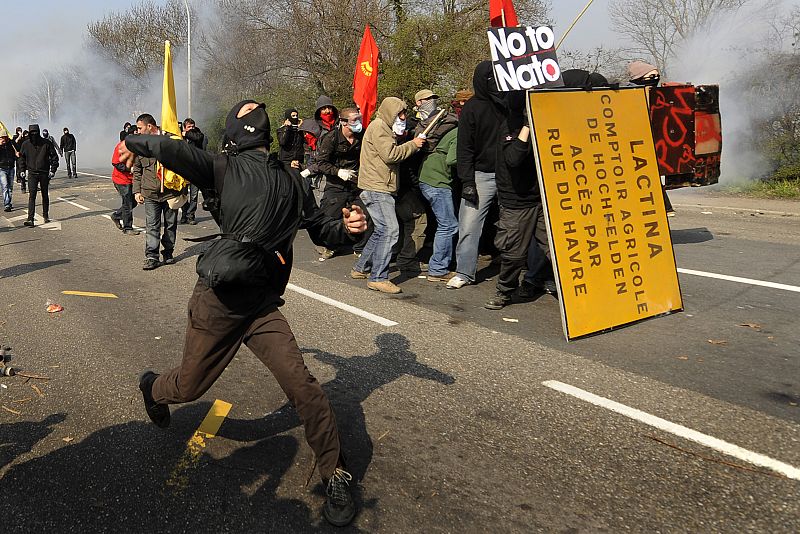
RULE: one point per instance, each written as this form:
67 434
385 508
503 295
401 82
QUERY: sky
44 35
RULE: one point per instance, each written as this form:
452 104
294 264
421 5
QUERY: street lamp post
188 56
49 101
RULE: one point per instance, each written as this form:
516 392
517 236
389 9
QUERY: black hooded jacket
478 125
37 154
515 165
290 141
258 200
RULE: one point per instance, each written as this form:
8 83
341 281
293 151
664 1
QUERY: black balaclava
250 131
287 115
33 134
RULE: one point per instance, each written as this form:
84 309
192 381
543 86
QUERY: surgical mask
399 126
356 127
427 108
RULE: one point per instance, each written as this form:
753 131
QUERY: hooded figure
478 137
291 139
38 162
328 119
583 79
380 155
241 279
641 73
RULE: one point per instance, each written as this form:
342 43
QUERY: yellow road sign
601 191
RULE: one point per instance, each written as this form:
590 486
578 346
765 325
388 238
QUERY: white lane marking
741 280
679 430
97 175
342 306
84 208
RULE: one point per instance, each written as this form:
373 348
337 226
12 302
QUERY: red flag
500 10
365 82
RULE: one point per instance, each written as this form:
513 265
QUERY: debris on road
6 408
67 439
717 341
37 390
754 326
90 294
510 320
52 307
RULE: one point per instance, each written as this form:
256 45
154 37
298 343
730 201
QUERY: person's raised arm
192 163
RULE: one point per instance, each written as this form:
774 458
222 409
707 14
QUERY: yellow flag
4 132
169 119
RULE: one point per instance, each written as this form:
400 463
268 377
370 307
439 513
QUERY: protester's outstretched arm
332 232
192 163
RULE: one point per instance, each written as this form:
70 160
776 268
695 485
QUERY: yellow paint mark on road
90 294
179 478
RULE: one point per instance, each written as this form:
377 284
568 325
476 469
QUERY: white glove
346 174
22 175
306 173
51 174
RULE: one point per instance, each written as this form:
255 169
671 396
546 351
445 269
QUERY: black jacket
515 169
335 152
67 142
8 155
478 125
196 138
290 143
258 199
39 157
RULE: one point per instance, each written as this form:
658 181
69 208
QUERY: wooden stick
573 24
433 123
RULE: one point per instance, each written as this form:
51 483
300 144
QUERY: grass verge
779 188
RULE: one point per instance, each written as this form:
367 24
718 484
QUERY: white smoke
728 49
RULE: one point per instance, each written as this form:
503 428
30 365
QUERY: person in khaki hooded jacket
380 156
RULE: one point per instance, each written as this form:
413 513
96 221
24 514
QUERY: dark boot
339 507
158 413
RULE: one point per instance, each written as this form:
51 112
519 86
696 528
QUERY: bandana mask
327 119
399 127
427 108
251 130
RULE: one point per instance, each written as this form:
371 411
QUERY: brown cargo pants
214 333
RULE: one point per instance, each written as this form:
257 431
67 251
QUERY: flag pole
573 24
503 16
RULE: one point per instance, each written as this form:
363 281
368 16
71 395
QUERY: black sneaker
7 208
130 231
117 222
339 507
29 224
150 264
46 220
158 413
498 302
169 260
182 221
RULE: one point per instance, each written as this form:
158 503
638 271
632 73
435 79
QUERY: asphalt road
454 419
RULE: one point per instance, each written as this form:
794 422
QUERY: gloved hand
306 173
346 174
50 174
470 193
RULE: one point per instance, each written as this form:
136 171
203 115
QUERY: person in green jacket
435 178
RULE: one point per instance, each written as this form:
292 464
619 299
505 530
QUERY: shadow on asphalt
19 242
25 268
115 480
357 377
689 236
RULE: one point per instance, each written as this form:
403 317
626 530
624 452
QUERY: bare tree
134 39
656 27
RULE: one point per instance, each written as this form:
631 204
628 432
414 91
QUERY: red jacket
120 175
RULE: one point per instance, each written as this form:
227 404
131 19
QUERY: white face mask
399 126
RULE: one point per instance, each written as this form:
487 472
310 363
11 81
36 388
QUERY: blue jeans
6 184
69 158
189 209
155 213
470 225
125 211
441 201
377 252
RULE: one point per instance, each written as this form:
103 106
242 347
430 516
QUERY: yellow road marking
179 478
90 294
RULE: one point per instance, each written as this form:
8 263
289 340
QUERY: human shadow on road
116 480
20 437
192 250
689 236
25 268
357 377
19 242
